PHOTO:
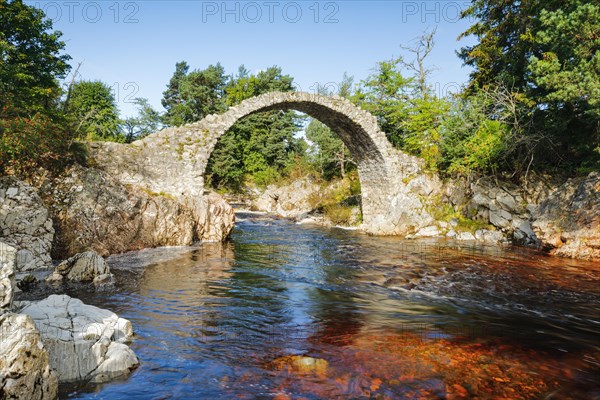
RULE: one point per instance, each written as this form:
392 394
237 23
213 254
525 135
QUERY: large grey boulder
82 267
25 371
25 224
568 221
84 342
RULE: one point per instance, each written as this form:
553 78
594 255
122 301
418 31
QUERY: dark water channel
378 317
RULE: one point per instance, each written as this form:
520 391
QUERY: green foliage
481 149
192 96
547 53
355 189
28 142
146 122
266 176
473 139
385 94
337 199
300 165
338 214
93 111
422 129
30 59
32 129
329 154
445 212
261 146
568 70
407 109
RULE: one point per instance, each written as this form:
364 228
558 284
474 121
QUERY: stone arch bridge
173 161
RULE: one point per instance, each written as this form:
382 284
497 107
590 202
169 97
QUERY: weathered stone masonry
173 161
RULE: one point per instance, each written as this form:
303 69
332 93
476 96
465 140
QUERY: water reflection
389 318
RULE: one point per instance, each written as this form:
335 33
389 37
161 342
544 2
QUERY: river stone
465 236
25 224
500 218
83 267
302 365
84 342
489 236
506 200
428 231
25 371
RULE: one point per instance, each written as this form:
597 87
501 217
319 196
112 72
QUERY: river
288 311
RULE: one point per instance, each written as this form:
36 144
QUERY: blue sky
133 45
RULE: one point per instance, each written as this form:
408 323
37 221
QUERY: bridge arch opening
357 129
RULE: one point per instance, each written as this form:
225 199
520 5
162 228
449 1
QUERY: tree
192 96
94 112
330 155
475 135
32 131
31 62
27 142
426 112
546 52
385 94
406 106
147 121
260 146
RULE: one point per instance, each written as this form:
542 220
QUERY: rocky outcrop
297 199
8 257
289 201
92 210
25 224
568 221
304 200
84 342
409 207
25 372
83 267
505 207
214 217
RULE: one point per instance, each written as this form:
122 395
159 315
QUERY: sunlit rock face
8 257
94 211
84 342
505 206
25 371
568 221
25 224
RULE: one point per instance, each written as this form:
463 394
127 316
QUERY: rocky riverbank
82 213
560 218
85 213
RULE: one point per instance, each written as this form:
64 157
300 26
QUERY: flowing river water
288 311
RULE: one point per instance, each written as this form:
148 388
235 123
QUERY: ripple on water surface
289 311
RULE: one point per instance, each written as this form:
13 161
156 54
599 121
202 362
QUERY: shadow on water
390 318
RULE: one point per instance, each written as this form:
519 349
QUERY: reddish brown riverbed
286 311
